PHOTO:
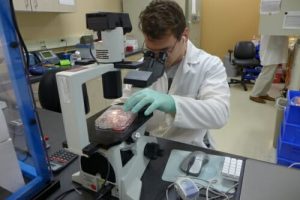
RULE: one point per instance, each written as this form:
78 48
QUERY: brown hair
162 17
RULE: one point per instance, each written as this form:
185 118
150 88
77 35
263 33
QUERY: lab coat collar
191 53
191 57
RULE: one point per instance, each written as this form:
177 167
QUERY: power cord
13 15
294 164
107 175
167 190
92 55
103 190
208 189
64 194
208 186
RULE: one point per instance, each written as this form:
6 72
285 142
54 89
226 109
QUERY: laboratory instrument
107 156
186 188
60 159
231 169
47 56
193 163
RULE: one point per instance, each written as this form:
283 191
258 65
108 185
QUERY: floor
251 126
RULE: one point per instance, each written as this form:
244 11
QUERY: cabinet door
53 6
22 5
65 5
43 5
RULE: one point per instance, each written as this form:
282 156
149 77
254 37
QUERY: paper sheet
67 2
270 6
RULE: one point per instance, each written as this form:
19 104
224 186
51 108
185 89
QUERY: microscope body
106 157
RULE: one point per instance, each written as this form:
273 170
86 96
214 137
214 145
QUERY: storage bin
286 162
288 150
292 111
290 132
280 107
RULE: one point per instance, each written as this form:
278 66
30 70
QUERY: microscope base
88 181
128 184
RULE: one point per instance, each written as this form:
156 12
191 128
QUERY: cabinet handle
26 3
36 4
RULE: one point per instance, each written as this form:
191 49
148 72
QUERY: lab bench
153 187
258 178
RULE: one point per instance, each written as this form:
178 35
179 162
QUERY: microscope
108 156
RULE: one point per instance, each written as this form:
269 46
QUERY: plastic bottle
75 57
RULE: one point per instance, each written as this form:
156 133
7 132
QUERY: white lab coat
201 95
273 50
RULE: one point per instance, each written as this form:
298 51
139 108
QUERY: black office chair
48 91
245 59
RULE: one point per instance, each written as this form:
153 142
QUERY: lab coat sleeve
210 109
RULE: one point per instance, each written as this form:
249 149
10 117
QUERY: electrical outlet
43 45
52 43
63 42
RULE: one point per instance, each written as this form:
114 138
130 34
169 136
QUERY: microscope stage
108 138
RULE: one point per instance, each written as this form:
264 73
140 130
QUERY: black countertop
153 186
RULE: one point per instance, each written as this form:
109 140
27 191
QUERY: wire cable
107 175
213 191
104 183
294 164
13 15
65 193
92 55
167 190
208 186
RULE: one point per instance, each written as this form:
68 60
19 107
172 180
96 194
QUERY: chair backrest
48 92
244 50
49 96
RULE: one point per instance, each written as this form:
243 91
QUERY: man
198 97
273 51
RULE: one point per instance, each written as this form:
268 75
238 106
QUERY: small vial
75 57
46 139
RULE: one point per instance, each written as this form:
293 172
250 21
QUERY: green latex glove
156 100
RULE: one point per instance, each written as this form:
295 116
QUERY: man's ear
185 34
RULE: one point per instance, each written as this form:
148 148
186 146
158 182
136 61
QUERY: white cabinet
64 6
45 5
42 5
22 5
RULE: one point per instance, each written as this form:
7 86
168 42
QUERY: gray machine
106 156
